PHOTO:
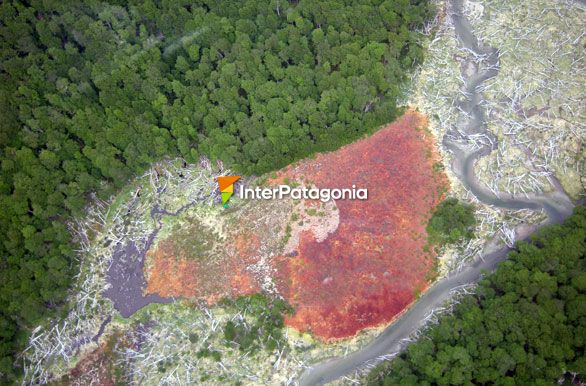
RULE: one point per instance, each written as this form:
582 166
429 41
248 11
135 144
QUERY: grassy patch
194 239
287 234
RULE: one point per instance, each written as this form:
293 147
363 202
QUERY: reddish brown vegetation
363 274
92 369
207 278
374 264
96 367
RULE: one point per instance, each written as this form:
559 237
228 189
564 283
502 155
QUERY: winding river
557 205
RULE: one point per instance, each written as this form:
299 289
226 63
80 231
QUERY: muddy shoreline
126 273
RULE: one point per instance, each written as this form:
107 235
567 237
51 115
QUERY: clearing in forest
343 265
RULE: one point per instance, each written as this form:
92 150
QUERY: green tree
451 222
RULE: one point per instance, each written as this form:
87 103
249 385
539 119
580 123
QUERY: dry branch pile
536 106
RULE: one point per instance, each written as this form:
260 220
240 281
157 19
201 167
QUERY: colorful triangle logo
226 186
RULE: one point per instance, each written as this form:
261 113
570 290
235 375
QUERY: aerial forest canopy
526 324
451 222
92 92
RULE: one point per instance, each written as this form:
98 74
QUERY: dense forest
92 92
526 324
451 222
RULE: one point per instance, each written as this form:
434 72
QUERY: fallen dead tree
168 186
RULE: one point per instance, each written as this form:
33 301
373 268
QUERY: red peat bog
343 266
375 263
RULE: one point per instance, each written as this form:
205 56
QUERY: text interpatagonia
324 195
